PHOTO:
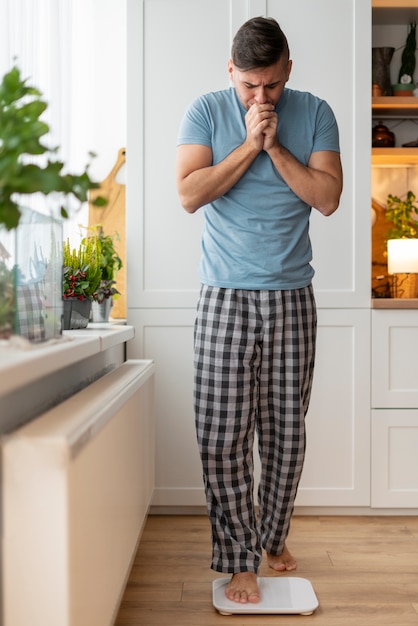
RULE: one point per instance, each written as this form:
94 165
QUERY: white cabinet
395 351
331 51
168 335
395 458
395 408
192 38
77 452
337 468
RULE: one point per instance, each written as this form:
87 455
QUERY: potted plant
28 166
404 217
81 279
402 244
110 264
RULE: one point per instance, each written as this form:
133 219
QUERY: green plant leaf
21 131
9 214
401 214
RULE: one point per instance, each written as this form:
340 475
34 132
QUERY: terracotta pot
403 90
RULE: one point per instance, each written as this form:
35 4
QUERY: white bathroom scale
284 595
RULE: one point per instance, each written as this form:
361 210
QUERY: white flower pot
100 312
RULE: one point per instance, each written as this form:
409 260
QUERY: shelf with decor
394 426
394 14
396 107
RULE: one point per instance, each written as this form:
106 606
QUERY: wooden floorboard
364 571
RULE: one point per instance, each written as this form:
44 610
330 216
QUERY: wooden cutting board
112 218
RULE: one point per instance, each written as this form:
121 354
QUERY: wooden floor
364 571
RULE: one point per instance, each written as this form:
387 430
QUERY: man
257 156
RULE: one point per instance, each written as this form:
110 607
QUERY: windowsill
22 362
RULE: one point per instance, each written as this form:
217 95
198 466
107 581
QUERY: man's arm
319 184
199 182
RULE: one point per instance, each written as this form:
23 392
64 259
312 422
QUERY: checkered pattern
254 358
30 311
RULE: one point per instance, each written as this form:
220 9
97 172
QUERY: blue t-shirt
256 236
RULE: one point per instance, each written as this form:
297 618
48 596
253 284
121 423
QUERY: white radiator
77 484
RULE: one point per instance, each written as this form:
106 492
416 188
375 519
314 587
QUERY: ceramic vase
381 58
100 311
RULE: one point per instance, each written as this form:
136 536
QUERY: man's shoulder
213 104
295 95
297 102
221 95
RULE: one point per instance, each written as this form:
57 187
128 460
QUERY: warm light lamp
403 256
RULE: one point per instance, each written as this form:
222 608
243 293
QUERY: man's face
261 85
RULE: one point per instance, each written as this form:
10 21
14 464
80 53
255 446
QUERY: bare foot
282 562
243 588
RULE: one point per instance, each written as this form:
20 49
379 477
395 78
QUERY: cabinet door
394 359
331 49
168 336
331 60
177 50
395 458
337 468
337 465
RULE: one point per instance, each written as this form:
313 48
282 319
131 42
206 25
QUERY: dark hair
260 42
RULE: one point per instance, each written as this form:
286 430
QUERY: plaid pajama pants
254 359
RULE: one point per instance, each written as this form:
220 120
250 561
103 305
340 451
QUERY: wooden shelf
386 12
394 4
395 106
395 303
395 156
